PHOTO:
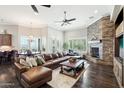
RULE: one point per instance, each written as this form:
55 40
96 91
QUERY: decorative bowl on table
72 60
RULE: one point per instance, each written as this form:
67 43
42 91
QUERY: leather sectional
36 76
53 60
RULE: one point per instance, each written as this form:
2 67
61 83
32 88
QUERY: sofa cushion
49 63
39 61
55 55
36 74
59 54
47 57
58 60
64 53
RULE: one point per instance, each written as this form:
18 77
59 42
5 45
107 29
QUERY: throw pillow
57 55
33 62
23 62
41 59
29 61
62 54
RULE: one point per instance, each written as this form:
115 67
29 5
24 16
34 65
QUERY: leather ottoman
36 76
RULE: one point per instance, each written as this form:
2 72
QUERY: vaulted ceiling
24 15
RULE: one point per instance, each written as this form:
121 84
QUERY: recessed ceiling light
96 11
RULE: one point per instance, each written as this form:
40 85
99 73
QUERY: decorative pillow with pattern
29 61
23 62
41 59
33 62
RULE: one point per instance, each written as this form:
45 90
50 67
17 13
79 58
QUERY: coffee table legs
61 69
74 70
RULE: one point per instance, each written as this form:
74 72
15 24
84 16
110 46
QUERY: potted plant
65 46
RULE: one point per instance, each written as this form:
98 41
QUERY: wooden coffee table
73 66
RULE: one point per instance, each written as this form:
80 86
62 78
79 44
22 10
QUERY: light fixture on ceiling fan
66 21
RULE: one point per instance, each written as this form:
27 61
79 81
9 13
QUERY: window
77 44
24 42
31 43
56 45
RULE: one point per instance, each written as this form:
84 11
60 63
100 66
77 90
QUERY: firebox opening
95 52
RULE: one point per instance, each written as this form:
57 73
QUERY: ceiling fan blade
34 8
72 19
48 6
62 24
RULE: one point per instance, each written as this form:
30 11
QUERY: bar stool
6 55
1 57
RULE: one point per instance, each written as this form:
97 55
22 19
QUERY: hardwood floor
96 76
8 77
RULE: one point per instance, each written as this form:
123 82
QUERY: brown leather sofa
32 77
53 60
36 76
42 74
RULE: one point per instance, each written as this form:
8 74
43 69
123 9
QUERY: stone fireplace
102 51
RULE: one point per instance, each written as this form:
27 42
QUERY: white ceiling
24 15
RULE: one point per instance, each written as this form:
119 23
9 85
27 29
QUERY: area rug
63 81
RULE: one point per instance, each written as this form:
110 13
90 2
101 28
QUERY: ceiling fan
36 10
66 21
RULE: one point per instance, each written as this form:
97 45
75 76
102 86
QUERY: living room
57 46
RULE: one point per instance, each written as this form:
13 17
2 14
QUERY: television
121 47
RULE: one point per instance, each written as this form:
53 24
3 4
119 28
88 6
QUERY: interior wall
56 35
76 33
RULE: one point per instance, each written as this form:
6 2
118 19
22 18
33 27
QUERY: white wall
76 34
11 29
54 34
44 34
